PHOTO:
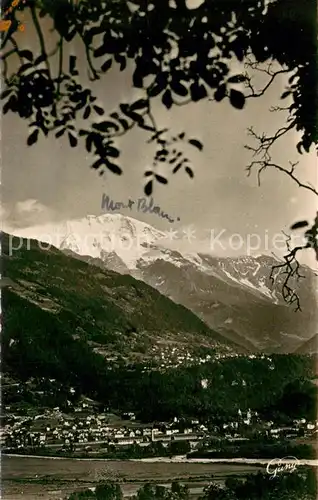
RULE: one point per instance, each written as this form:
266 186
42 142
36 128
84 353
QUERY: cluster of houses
300 428
166 356
241 427
92 430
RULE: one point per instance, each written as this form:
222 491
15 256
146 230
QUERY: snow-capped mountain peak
97 236
233 295
138 245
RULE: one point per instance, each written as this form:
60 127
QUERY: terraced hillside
64 315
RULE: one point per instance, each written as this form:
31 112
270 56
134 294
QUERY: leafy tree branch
175 54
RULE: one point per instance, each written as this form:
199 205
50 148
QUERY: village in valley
85 430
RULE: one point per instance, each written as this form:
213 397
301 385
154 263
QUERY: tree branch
255 66
60 49
41 38
264 161
291 267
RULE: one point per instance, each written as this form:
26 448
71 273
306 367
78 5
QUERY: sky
52 182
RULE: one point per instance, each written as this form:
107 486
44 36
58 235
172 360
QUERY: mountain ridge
55 306
233 295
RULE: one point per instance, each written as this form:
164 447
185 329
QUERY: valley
100 365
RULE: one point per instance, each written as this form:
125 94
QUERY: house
125 441
203 428
186 437
163 439
238 439
146 439
129 416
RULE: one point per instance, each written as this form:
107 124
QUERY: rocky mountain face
309 347
234 296
62 314
237 298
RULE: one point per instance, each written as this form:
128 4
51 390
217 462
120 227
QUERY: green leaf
107 65
177 167
72 64
100 51
73 140
159 85
89 143
113 167
220 93
105 126
60 133
238 50
285 94
196 144
198 91
26 54
87 112
212 77
237 79
167 99
98 164
10 104
299 225
179 88
98 110
161 179
148 188
140 104
70 35
189 172
138 79
32 139
24 68
124 123
121 60
131 114
40 59
6 93
237 99
111 151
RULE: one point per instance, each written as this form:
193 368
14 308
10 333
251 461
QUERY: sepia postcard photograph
159 314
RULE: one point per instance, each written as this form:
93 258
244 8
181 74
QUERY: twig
291 268
41 39
264 160
60 48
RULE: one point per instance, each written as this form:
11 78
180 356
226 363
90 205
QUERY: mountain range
233 296
63 316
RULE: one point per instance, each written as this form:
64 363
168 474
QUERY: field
51 479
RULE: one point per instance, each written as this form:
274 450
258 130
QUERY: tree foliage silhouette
175 53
